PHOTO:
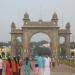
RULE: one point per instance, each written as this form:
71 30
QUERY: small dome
26 16
13 25
40 21
68 25
55 17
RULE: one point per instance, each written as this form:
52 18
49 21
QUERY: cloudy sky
13 11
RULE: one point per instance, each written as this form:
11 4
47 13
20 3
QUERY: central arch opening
40 43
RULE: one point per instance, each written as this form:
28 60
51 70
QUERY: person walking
20 63
27 66
47 65
1 65
14 66
53 62
8 67
36 70
32 65
40 61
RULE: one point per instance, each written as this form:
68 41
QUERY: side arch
62 41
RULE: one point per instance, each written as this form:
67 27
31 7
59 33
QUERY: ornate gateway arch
50 28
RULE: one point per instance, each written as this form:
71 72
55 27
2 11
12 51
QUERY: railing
64 66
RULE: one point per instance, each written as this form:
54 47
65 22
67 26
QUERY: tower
26 18
54 19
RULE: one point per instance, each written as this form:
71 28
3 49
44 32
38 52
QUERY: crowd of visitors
38 65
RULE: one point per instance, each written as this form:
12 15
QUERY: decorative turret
40 21
13 26
68 26
54 18
26 18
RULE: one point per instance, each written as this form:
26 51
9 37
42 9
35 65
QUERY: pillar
67 45
55 45
13 45
26 43
67 39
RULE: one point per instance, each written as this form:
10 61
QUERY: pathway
58 70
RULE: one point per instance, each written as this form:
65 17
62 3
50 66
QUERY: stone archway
51 28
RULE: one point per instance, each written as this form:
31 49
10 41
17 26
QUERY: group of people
12 66
37 65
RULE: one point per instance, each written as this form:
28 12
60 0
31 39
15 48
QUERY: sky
14 10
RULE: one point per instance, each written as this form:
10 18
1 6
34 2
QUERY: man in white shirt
1 65
47 67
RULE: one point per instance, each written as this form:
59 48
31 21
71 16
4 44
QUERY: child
36 70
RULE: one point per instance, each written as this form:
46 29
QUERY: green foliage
41 50
4 44
37 44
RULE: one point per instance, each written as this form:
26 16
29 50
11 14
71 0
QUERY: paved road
58 70
62 73
63 68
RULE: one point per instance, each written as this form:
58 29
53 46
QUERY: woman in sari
27 66
8 67
14 66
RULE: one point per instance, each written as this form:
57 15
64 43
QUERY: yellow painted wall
0 51
72 50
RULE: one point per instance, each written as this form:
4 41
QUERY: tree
41 50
